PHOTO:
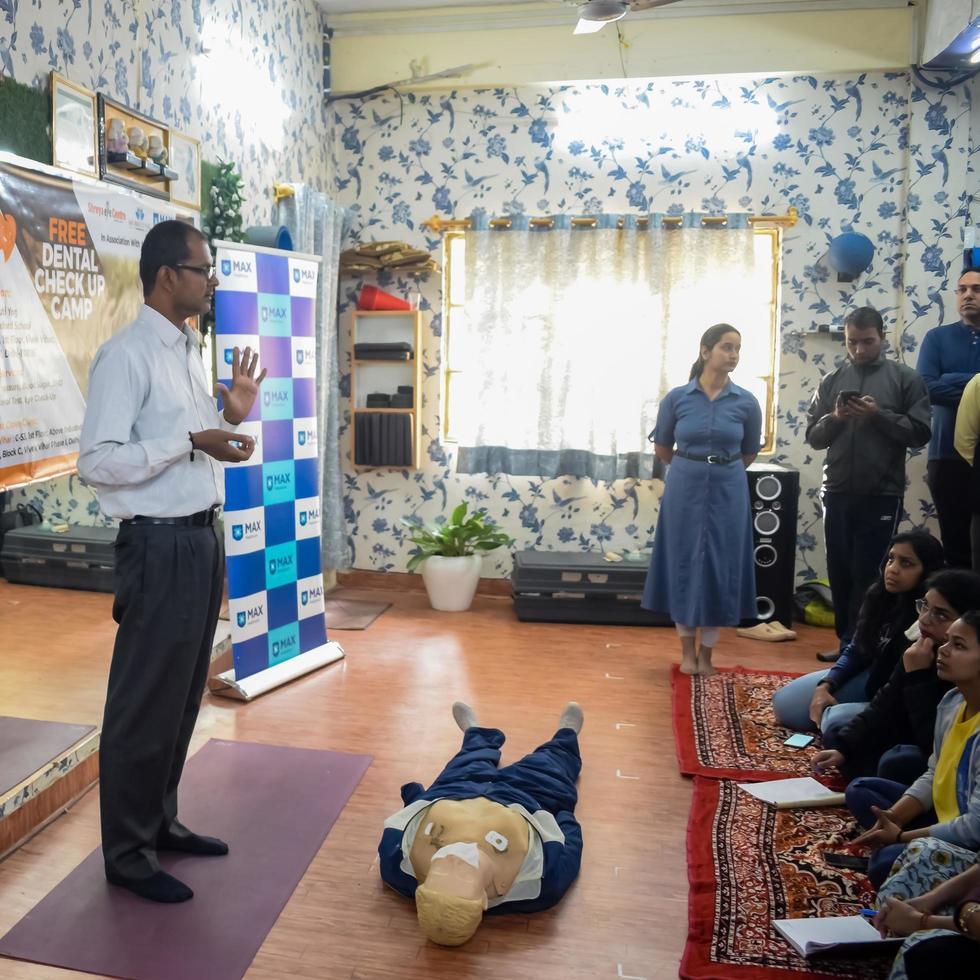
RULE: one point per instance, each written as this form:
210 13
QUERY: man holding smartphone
867 414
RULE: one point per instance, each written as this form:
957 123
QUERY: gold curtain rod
442 225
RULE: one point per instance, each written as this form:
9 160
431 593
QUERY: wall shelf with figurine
134 149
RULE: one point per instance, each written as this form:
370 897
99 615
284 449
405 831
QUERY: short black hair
864 319
969 268
958 586
166 244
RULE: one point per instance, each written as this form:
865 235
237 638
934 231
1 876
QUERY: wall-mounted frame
185 158
73 127
124 166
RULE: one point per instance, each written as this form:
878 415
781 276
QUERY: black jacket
903 712
868 457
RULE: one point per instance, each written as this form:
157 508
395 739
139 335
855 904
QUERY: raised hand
226 447
239 400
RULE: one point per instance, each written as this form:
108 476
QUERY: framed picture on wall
73 127
185 158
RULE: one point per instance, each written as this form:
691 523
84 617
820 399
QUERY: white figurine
116 141
137 141
157 151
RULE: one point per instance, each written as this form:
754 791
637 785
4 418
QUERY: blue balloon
850 254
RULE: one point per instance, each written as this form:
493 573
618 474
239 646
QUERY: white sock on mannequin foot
464 716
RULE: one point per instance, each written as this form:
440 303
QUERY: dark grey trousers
168 595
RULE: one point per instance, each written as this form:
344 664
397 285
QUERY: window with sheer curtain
561 343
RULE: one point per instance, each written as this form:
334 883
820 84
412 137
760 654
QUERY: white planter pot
451 582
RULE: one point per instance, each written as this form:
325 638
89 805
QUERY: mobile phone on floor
852 862
798 741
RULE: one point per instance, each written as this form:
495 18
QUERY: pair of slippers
773 632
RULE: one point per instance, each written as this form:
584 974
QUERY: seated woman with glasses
828 699
944 801
893 736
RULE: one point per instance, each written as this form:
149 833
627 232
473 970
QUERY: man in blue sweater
482 838
948 358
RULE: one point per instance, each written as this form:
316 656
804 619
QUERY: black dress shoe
828 656
190 843
159 887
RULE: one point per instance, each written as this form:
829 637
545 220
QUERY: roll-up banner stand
266 301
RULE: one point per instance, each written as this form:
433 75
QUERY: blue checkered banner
266 301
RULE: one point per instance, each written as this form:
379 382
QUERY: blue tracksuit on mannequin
543 780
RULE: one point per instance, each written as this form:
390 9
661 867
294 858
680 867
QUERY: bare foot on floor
704 665
689 665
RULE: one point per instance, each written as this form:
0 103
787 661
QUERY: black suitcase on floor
80 558
580 587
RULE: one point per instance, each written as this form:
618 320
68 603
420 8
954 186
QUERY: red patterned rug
724 727
748 864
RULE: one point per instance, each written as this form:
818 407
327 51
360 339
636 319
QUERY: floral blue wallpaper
243 76
886 154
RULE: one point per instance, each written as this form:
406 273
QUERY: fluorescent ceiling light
589 26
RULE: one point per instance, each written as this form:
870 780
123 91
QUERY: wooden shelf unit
370 375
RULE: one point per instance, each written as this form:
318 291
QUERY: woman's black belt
203 518
715 459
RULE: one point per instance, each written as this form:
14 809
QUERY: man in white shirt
152 444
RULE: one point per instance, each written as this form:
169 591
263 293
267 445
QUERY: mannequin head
451 900
448 920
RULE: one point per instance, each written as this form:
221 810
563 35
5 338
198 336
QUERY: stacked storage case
81 558
580 587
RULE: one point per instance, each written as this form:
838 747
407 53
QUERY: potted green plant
450 555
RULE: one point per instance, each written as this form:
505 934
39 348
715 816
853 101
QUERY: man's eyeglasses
963 290
202 270
930 612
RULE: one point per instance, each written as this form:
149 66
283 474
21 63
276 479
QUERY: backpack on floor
813 603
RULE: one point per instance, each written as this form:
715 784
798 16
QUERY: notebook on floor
847 935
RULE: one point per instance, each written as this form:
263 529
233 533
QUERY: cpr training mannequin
487 839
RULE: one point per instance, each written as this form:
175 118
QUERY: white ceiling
377 6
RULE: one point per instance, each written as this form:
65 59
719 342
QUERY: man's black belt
715 459
203 518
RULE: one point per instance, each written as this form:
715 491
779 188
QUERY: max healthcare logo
274 313
296 275
274 396
310 595
240 267
251 615
247 529
281 565
284 647
309 516
278 481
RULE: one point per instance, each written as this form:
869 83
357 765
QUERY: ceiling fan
595 14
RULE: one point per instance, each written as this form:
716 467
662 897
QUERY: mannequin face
454 876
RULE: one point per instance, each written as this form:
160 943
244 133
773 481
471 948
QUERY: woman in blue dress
702 572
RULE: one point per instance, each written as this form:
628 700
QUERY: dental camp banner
69 278
266 301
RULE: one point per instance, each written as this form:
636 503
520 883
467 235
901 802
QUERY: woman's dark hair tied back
959 587
709 338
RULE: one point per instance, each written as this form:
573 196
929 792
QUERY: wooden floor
626 915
